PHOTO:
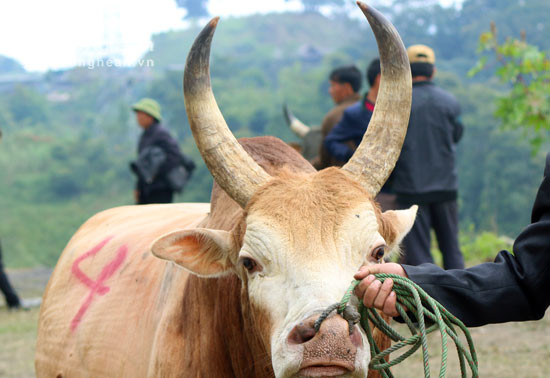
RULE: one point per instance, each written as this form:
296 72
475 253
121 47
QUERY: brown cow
237 291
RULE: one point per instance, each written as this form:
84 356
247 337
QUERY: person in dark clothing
12 299
344 138
515 287
159 157
426 174
344 86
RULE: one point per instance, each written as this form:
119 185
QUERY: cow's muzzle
329 352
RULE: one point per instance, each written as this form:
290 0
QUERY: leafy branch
526 69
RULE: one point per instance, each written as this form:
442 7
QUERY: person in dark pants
12 299
426 174
515 287
158 156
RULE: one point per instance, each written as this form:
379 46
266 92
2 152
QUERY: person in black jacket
515 287
12 299
426 174
160 168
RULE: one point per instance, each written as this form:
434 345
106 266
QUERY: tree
195 8
526 71
427 22
512 16
27 105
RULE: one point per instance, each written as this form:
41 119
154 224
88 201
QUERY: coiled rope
420 305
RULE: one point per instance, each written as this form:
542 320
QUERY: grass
505 351
17 342
35 234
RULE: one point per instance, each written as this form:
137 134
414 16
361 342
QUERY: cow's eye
250 265
378 252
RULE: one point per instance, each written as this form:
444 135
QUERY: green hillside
69 135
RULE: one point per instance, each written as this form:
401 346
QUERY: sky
56 34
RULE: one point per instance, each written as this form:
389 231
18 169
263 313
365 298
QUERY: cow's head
303 235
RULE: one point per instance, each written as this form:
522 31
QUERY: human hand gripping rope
420 305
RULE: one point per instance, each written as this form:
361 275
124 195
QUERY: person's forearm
512 288
486 293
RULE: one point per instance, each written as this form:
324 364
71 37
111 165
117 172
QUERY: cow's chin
288 363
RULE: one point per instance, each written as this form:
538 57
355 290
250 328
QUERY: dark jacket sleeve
173 154
337 140
512 288
458 129
454 118
148 164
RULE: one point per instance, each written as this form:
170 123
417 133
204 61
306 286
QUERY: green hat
149 106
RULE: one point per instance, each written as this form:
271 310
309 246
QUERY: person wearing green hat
161 168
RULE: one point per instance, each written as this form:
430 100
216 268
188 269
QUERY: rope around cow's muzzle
420 305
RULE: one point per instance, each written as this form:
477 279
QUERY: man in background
344 138
12 299
426 173
344 87
161 168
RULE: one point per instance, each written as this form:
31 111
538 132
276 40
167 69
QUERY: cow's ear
202 251
396 224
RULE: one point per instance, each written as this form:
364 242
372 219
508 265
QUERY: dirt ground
513 350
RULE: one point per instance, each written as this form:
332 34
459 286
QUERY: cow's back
108 293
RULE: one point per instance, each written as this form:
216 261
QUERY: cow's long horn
233 169
379 150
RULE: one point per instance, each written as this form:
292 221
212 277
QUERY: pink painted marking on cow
97 286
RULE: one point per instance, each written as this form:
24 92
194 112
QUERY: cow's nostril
302 333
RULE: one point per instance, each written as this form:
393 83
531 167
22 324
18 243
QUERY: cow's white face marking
303 271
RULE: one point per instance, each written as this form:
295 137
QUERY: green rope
421 306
